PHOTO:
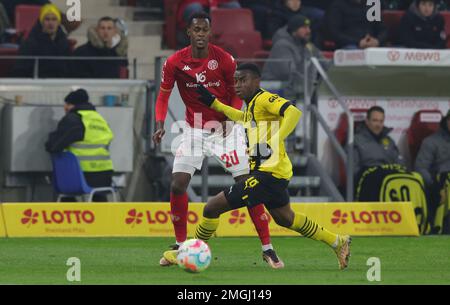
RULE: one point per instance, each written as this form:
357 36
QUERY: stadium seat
68 178
26 18
170 24
329 45
124 73
267 44
241 45
446 16
241 22
359 115
238 37
391 20
328 54
7 65
260 57
423 124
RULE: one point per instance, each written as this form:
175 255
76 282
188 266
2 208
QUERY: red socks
179 210
261 221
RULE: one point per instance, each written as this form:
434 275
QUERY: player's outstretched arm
291 118
211 101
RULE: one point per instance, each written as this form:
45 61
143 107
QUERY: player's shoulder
179 55
270 97
216 51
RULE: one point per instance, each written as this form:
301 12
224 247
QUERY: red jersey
216 73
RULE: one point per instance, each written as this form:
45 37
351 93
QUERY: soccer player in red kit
206 64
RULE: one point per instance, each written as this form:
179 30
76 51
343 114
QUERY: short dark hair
419 1
374 108
199 15
106 18
250 67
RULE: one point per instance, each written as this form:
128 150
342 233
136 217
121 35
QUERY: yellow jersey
262 120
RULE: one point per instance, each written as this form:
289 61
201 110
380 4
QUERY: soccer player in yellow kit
268 120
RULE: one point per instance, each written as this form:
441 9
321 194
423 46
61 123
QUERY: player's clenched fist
205 96
159 133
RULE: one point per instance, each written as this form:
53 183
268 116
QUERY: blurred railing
347 156
14 59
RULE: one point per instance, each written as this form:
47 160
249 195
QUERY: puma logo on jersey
186 68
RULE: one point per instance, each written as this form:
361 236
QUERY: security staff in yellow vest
85 133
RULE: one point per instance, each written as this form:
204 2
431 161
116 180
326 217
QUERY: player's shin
309 228
206 228
261 222
179 211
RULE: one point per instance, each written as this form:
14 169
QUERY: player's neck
251 97
199 53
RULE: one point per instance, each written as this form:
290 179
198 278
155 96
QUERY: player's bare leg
179 210
300 223
216 206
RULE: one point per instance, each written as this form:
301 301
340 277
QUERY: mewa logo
135 217
58 217
366 217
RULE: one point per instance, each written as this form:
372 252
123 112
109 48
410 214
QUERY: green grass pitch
404 260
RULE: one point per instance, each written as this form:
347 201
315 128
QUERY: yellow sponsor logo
155 219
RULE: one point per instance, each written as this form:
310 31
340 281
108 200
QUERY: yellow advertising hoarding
2 224
366 219
95 219
153 219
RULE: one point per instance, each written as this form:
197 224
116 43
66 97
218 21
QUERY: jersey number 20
230 159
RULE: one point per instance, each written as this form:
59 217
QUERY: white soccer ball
194 256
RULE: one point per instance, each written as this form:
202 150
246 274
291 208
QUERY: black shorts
259 188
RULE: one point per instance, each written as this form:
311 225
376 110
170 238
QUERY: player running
270 166
206 64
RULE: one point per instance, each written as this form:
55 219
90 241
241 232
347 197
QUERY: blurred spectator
85 133
380 172
396 4
373 146
349 28
443 5
286 9
262 12
46 39
322 4
291 48
423 27
187 8
434 154
104 40
10 7
433 163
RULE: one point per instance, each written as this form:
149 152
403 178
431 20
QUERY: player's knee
178 187
282 221
210 211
